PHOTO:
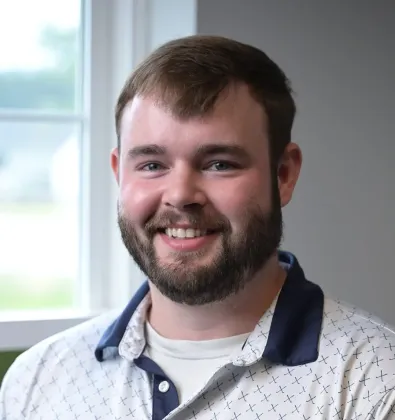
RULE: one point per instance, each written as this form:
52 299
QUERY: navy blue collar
295 329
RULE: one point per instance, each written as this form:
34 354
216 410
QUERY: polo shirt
309 357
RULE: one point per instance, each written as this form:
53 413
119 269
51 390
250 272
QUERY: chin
199 257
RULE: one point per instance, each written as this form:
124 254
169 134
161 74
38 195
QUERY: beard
239 257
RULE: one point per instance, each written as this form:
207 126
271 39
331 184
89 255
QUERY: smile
187 239
185 233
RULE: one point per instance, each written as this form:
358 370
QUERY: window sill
21 330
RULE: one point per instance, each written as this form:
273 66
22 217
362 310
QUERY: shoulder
34 368
347 324
71 342
360 348
357 336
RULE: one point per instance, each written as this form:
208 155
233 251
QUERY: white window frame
118 35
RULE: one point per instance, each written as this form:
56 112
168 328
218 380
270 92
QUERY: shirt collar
295 321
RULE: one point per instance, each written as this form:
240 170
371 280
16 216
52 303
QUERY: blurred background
62 64
39 156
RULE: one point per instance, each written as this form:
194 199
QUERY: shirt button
164 386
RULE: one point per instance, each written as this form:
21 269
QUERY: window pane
39 215
40 54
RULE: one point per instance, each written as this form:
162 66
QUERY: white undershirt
190 364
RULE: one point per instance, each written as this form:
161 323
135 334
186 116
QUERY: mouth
186 233
187 239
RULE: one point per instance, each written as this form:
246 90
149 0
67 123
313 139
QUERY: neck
235 315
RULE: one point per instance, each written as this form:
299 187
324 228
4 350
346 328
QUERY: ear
288 172
115 163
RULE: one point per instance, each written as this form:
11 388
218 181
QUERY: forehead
236 118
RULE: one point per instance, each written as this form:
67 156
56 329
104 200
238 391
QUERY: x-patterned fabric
309 357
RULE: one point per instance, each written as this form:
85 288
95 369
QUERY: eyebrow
221 149
202 151
146 150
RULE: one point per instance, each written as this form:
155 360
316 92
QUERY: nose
183 191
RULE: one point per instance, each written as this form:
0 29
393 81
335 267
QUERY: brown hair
188 75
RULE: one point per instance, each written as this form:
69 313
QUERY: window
41 126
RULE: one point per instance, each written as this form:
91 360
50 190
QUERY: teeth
184 233
190 233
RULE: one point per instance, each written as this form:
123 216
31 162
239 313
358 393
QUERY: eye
221 165
151 167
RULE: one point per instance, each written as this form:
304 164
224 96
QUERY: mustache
197 219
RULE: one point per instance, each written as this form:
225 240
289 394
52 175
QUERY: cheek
138 201
237 198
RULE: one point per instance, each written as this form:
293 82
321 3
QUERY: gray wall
340 57
171 19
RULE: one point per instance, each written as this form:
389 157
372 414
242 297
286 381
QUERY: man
227 327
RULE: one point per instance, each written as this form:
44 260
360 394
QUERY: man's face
199 209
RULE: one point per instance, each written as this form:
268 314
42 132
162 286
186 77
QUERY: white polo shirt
309 357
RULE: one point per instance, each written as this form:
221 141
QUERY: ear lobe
115 163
